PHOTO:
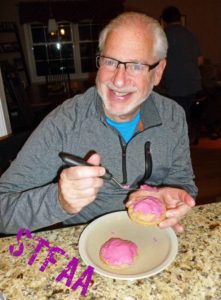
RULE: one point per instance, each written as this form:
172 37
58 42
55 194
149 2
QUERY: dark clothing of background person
182 79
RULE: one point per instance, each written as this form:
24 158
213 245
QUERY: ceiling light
52 25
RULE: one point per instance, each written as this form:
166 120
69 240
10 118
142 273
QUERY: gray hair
152 27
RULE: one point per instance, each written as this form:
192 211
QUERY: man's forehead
129 44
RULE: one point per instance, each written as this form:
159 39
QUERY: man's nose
119 78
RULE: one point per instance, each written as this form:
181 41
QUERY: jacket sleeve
28 189
181 172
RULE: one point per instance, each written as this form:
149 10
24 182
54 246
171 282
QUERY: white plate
157 248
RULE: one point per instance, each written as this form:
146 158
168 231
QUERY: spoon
73 160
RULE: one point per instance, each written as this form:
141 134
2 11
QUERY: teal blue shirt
126 129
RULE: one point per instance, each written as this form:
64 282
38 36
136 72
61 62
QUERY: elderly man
138 135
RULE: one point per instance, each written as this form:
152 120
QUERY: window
88 44
72 49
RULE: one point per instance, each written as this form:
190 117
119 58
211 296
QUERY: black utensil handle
73 160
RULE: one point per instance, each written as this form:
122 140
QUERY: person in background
182 78
138 135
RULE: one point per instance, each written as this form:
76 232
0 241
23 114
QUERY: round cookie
147 211
118 253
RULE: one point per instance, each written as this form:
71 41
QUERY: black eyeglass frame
150 67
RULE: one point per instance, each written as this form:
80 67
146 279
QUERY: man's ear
159 71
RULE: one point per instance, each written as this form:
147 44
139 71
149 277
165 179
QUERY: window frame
76 53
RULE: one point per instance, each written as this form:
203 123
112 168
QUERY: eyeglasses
132 68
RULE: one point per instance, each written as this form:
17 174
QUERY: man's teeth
120 94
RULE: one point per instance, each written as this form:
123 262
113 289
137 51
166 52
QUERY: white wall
5 126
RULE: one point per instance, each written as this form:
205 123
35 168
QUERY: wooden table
39 98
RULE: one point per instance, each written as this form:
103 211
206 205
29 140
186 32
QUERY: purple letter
41 243
88 275
21 246
72 266
50 258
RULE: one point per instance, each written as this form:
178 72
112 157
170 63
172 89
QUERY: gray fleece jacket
28 189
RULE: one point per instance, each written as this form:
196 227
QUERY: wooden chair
23 116
20 100
58 84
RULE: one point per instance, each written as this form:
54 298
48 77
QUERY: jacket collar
149 113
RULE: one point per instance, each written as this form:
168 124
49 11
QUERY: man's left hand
178 203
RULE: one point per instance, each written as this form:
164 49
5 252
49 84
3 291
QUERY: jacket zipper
124 148
124 164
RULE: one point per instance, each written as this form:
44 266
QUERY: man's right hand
78 186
